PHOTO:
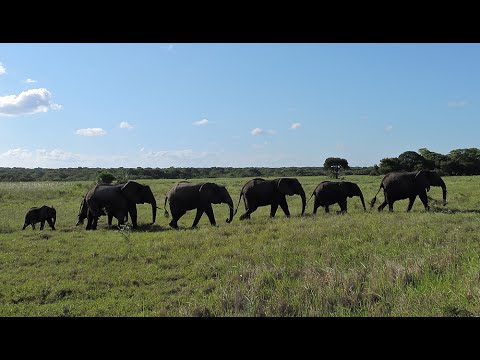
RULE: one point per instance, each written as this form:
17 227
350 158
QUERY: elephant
184 196
83 213
260 192
41 214
407 185
330 192
119 200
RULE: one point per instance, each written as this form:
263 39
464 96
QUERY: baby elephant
329 192
41 214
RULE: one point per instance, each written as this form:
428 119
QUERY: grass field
360 264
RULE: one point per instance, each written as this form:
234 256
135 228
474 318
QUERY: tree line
92 174
456 162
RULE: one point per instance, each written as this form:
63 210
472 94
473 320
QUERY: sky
233 104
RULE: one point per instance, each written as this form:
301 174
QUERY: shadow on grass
444 210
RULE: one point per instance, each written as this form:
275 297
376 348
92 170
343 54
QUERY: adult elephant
407 185
260 192
185 196
335 192
119 200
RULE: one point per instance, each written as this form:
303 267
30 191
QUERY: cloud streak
3 70
295 126
257 131
457 104
202 122
27 102
30 81
91 132
61 158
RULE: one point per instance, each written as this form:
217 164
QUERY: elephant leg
245 216
176 215
316 204
411 200
390 205
133 216
284 206
94 223
327 209
273 209
423 197
24 226
385 202
42 224
343 206
249 209
110 218
33 225
197 217
211 215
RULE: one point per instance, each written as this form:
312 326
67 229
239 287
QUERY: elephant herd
120 200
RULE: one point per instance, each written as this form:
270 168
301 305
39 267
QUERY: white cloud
91 132
176 154
201 122
256 131
3 70
457 104
125 125
30 81
58 158
388 128
296 125
27 158
28 102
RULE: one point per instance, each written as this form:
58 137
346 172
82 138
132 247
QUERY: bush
105 178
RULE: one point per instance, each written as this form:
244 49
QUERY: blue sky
220 104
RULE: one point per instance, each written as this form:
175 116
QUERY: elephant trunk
154 210
363 201
229 202
304 201
444 190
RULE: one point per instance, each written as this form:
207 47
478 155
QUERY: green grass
360 264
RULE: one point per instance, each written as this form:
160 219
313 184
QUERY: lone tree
335 165
105 178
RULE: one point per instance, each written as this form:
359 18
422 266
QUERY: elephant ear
284 186
422 180
132 191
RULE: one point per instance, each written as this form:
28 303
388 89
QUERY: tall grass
359 264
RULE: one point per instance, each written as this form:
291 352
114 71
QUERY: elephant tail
165 206
309 198
375 197
240 198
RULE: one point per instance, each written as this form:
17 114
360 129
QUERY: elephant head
217 194
351 189
52 214
427 178
291 186
140 194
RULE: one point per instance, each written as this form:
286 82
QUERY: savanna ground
359 264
